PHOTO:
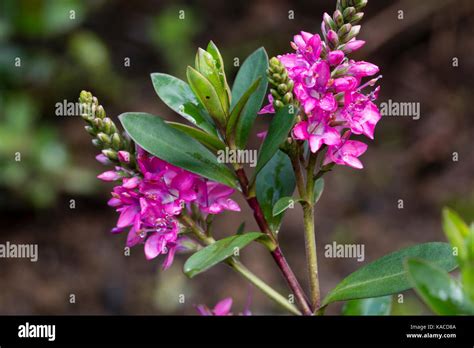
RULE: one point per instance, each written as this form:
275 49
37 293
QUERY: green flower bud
96 142
116 141
89 130
281 86
100 112
338 18
329 22
349 12
110 154
104 138
360 4
346 28
352 34
356 18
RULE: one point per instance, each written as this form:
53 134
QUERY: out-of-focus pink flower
269 108
222 308
110 175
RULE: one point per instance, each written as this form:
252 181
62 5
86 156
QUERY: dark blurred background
410 159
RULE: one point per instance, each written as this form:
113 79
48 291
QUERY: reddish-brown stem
277 254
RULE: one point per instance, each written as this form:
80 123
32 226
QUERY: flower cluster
328 88
150 200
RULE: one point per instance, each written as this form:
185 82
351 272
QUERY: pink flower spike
109 175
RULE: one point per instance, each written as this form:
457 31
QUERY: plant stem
277 254
269 291
310 238
240 268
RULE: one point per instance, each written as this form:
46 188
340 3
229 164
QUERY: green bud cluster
281 85
104 132
344 21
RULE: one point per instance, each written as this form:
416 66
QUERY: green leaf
207 95
318 189
275 180
217 252
387 275
208 67
368 306
210 141
254 67
238 108
467 267
284 203
179 97
456 231
214 51
438 290
175 147
277 134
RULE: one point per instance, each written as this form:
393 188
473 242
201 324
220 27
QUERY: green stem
310 238
266 289
240 268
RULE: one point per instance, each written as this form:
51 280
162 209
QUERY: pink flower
317 133
361 114
149 201
346 153
353 45
269 108
214 198
362 69
221 308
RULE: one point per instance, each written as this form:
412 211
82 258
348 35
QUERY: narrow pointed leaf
175 147
254 66
206 94
217 252
180 98
318 190
212 142
368 306
283 204
277 133
239 107
388 275
275 180
442 294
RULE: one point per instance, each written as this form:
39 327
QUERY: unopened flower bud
335 57
116 141
96 142
330 25
288 98
333 39
349 12
100 112
338 18
360 4
110 175
345 29
352 46
356 18
104 138
282 88
123 156
89 130
110 154
352 34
